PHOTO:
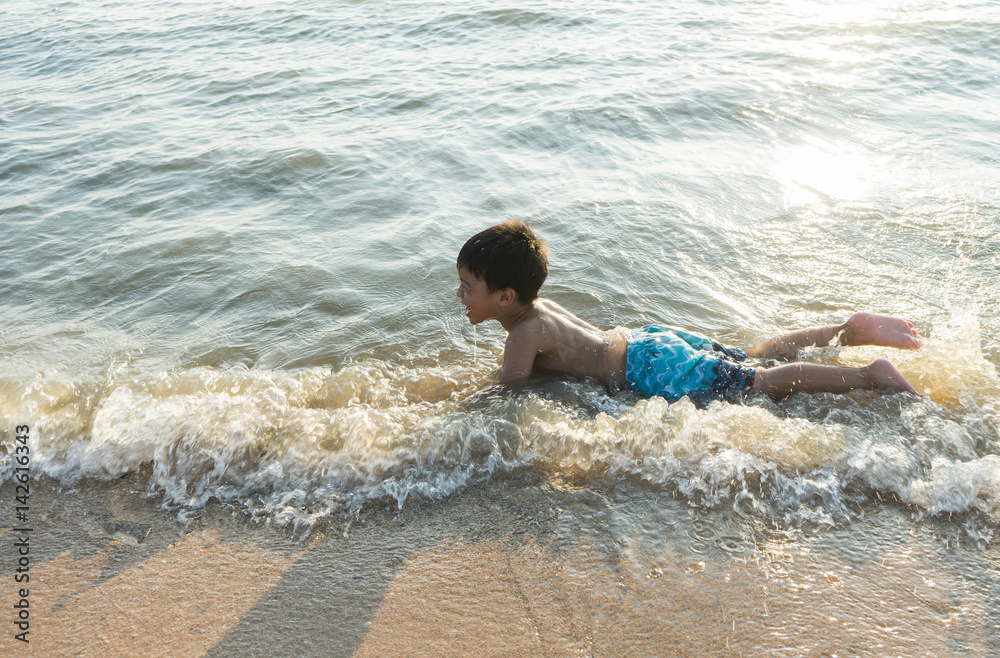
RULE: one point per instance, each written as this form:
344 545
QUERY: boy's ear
507 296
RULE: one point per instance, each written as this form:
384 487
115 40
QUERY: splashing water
299 446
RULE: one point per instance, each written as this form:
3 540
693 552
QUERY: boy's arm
518 357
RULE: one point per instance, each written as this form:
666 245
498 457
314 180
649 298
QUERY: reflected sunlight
810 175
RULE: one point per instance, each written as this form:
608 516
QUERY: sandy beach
511 567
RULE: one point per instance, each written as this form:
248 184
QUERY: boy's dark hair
507 255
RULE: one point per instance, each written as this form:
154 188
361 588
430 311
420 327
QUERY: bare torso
562 342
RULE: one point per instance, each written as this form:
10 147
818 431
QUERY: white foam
294 447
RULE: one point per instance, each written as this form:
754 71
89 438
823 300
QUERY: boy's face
480 303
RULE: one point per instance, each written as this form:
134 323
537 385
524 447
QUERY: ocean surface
228 235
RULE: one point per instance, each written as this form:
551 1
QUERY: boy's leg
860 329
814 378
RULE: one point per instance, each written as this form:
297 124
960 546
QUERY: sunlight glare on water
811 174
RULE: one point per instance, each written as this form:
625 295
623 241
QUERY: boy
501 269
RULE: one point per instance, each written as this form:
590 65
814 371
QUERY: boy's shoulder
538 314
530 324
546 308
528 320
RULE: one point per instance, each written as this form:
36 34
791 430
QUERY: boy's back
545 335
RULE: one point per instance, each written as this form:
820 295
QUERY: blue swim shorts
672 363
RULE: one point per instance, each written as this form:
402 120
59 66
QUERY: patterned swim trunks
672 363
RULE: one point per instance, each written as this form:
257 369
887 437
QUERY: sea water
229 234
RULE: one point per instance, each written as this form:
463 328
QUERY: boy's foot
884 376
871 329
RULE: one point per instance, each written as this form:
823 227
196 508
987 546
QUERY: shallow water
229 241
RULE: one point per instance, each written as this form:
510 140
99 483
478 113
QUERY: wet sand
516 566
